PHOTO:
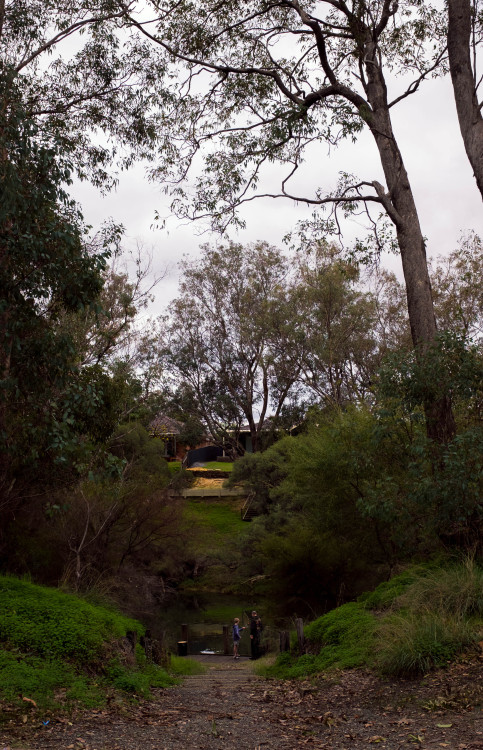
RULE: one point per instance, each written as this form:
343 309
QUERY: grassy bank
59 651
216 534
417 621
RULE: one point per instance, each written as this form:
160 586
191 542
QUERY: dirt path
229 707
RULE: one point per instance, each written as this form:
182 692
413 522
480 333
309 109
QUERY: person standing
236 637
255 630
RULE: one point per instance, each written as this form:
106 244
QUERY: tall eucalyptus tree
263 80
226 338
464 37
83 81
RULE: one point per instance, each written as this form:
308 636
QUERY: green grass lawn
220 521
219 465
216 529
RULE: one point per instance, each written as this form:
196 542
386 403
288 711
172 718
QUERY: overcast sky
426 127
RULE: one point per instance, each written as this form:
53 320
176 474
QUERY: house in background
169 431
269 434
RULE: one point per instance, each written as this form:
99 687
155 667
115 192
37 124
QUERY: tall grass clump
456 590
410 644
436 617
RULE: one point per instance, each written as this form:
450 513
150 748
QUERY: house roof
267 425
164 425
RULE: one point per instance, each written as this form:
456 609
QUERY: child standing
236 636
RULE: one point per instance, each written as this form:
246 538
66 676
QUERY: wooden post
184 632
148 646
165 655
132 638
299 624
284 637
226 641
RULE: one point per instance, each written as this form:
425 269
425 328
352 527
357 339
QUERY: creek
205 614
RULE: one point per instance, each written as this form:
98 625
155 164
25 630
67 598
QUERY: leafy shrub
40 680
387 592
145 456
350 622
51 623
55 646
343 638
431 614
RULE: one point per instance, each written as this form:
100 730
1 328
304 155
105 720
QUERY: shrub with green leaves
43 679
52 623
387 592
344 636
54 648
421 619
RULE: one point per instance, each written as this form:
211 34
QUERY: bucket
182 648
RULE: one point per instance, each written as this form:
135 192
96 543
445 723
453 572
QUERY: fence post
284 640
148 646
183 643
299 624
226 641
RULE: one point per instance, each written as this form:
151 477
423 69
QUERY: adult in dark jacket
255 630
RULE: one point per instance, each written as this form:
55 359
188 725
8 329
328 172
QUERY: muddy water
205 615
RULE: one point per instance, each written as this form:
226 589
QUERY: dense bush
49 622
57 648
422 619
387 592
43 679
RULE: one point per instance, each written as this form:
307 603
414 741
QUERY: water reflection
205 616
207 613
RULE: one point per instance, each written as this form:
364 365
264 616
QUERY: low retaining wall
213 492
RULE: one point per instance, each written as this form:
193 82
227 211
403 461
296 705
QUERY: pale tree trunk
464 85
401 207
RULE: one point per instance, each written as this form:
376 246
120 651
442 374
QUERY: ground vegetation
386 467
62 652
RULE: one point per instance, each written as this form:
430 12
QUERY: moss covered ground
59 651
